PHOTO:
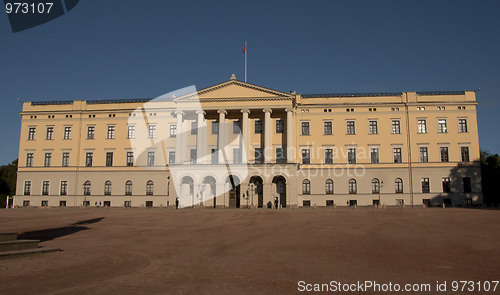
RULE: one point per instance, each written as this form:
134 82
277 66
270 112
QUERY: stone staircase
11 247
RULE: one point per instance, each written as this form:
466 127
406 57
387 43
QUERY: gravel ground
241 251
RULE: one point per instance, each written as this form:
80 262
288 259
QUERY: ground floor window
62 203
447 202
128 204
45 203
426 202
86 203
107 203
400 202
306 203
376 202
329 203
26 203
149 203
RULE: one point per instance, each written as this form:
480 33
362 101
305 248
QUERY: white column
267 135
178 139
200 137
289 135
245 141
222 135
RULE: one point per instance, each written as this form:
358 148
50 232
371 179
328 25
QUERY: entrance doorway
280 183
258 191
234 191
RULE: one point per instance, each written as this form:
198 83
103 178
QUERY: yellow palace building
236 144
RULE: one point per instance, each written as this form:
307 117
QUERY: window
328 156
305 128
128 188
31 133
67 132
467 184
330 203
280 155
130 158
149 188
64 188
131 131
373 128
48 160
192 156
65 160
151 158
62 203
351 155
86 188
109 159
375 186
305 203
397 155
236 127
327 128
353 188
152 131
396 127
374 155
107 188
214 156
27 188
90 132
171 158
442 128
45 203
280 126
258 127
127 203
173 131
50 133
462 125
88 159
398 186
306 187
425 185
424 154
351 128
26 203
29 160
422 126
194 128
111 132
237 156
444 154
306 156
329 187
215 127
45 187
465 153
400 202
446 185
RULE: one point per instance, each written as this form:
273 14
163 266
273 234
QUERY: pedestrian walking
177 203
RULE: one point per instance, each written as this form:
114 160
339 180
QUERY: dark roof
130 100
441 93
42 103
352 94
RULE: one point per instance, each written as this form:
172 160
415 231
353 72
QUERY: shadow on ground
54 233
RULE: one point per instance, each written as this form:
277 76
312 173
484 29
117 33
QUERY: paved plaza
242 251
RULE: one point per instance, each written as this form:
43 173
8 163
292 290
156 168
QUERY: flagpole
245 61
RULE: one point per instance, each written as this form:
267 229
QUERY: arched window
329 187
398 186
375 186
128 188
107 188
86 188
149 188
353 189
306 187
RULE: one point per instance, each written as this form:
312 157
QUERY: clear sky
142 49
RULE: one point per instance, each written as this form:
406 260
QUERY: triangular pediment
234 89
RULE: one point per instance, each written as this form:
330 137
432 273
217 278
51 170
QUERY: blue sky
131 49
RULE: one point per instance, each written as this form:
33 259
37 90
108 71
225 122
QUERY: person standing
177 203
276 202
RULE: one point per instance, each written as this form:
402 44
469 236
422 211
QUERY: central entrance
280 183
234 191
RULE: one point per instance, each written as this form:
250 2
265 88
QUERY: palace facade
236 144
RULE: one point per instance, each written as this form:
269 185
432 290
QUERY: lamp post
84 196
252 189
